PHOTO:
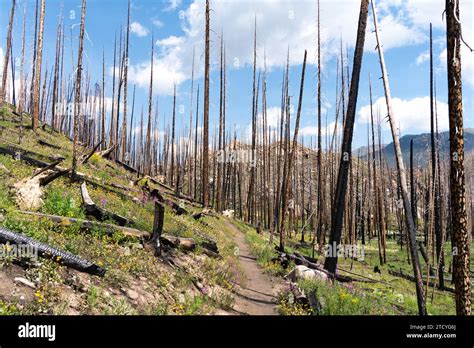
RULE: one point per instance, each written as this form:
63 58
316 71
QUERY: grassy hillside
135 282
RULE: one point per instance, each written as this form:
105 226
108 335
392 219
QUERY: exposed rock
303 272
131 294
25 282
228 213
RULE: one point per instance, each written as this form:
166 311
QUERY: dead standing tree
125 82
251 190
290 158
7 54
150 102
205 136
434 174
401 175
320 234
330 263
460 238
38 55
77 99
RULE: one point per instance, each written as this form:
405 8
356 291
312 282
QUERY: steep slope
135 281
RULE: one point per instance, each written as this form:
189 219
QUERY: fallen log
27 152
53 176
171 192
22 157
155 194
105 153
189 244
51 166
96 184
177 209
127 167
298 294
45 143
99 213
46 251
87 224
124 188
412 279
84 158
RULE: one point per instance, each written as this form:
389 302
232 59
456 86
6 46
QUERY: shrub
63 204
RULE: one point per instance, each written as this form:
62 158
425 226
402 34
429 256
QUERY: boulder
228 213
303 272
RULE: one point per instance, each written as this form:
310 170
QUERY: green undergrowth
383 293
127 263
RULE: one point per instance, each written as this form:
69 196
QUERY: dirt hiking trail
256 291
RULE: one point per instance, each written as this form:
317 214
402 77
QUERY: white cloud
423 57
138 29
422 12
173 5
280 25
273 117
157 23
170 41
329 130
467 63
411 116
167 71
394 32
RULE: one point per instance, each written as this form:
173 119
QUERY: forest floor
371 293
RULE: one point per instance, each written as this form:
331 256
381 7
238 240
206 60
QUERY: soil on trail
256 292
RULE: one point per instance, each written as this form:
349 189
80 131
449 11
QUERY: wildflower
39 295
343 296
355 300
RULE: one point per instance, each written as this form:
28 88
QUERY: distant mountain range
421 147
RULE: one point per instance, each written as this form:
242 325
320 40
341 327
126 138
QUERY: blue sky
178 28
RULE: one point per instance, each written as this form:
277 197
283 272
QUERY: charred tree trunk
330 263
460 237
7 54
205 136
37 80
125 153
147 155
286 178
77 99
